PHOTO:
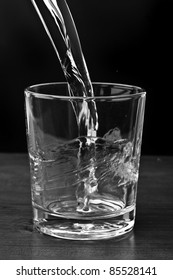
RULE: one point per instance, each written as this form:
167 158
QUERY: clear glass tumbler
84 184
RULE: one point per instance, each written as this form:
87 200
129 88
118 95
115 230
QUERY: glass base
105 228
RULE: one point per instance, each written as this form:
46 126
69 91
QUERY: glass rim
140 91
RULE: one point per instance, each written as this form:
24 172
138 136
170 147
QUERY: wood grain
150 239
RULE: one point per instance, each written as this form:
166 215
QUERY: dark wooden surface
152 237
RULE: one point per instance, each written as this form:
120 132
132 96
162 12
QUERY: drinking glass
84 185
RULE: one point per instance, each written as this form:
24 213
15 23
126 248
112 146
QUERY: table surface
152 237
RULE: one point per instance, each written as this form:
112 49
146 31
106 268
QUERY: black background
124 41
